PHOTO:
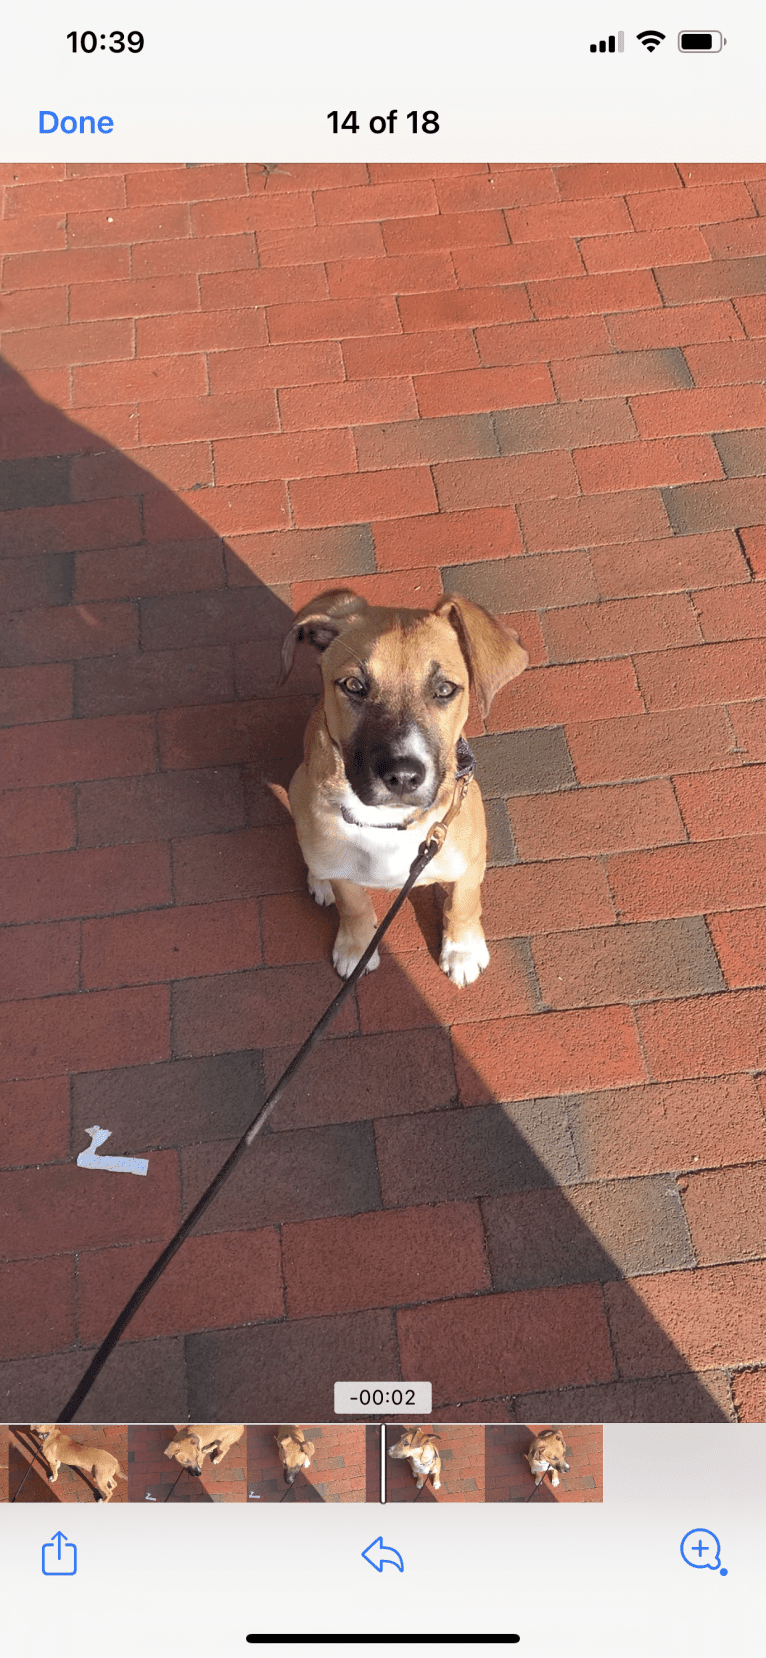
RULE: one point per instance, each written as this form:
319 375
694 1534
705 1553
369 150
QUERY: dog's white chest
420 1466
376 857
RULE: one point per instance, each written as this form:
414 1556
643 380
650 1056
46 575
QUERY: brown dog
380 761
546 1455
417 1445
100 1465
200 1439
295 1451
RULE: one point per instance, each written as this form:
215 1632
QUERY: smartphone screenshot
382 829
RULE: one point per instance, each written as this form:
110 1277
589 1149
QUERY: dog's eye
445 691
353 687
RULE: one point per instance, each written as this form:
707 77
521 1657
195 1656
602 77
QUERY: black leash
172 1488
28 1472
428 849
291 1485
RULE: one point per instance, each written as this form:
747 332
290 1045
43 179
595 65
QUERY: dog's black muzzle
385 766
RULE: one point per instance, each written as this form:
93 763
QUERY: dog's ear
195 1439
492 652
320 621
170 1450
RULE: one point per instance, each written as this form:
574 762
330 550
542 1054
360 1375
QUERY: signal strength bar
613 43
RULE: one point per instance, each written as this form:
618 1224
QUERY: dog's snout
402 774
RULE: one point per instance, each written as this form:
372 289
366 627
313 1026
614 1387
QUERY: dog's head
42 1429
412 1443
396 686
294 1450
187 1450
547 1450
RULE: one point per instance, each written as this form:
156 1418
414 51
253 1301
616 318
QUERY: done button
74 123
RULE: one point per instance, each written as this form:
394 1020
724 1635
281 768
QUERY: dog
100 1465
200 1439
295 1451
380 759
546 1455
417 1445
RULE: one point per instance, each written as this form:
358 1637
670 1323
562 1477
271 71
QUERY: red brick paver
224 389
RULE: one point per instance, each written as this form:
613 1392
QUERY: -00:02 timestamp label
390 1398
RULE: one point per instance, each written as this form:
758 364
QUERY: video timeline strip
318 1463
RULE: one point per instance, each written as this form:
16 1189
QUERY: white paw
555 1479
346 955
463 963
307 1464
321 891
437 1485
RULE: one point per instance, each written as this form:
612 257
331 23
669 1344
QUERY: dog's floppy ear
492 652
320 621
170 1450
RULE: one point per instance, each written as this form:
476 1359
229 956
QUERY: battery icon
700 40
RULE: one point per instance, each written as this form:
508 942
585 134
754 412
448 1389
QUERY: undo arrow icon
386 1556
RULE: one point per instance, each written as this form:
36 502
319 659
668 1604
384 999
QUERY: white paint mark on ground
117 1165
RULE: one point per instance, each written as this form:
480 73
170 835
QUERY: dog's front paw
346 954
437 1485
463 962
321 891
555 1479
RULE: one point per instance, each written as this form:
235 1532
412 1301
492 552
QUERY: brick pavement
153 1477
507 1472
461 1448
73 1485
222 391
345 1467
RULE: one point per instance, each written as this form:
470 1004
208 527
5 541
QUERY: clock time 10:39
89 42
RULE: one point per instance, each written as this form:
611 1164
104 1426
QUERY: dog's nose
402 774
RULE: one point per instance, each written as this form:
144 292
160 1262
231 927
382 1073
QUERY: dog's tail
281 795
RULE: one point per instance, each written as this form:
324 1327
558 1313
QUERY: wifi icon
650 38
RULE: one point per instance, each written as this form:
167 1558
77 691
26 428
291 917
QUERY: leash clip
435 838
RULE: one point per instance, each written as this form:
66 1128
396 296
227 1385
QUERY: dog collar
466 760
464 770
